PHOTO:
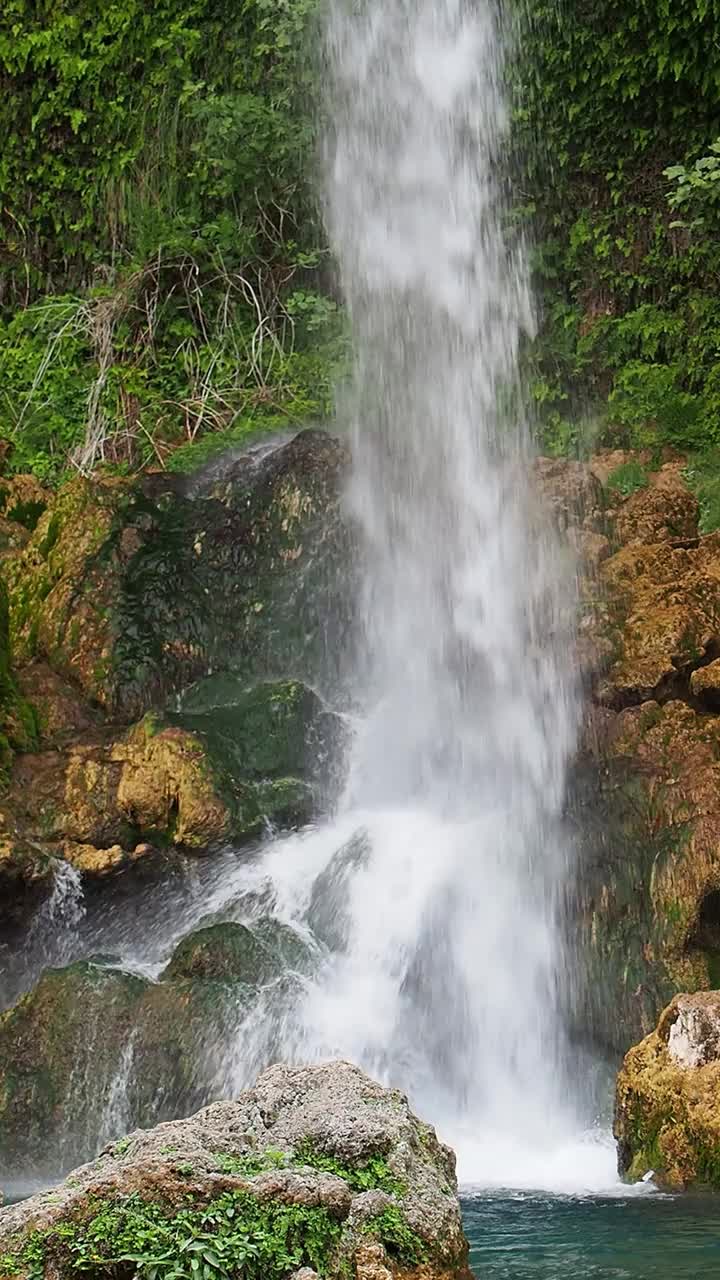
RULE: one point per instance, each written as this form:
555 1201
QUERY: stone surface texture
667 1116
335 1111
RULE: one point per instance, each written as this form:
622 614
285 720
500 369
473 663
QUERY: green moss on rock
224 953
667 1114
133 589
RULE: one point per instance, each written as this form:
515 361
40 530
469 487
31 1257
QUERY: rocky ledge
667 1116
315 1172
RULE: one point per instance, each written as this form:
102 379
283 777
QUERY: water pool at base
519 1236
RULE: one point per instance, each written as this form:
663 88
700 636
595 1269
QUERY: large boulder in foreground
315 1167
667 1115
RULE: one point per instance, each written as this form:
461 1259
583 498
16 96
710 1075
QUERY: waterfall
428 907
438 888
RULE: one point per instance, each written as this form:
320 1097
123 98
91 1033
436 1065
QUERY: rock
272 729
650 867
25 876
61 1048
296 1153
65 585
705 685
572 493
603 464
225 953
166 784
61 712
105 797
667 1115
23 499
14 538
657 514
694 1038
18 722
663 617
131 591
91 1049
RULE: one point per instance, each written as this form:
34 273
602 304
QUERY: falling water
442 905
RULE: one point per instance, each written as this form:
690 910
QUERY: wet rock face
667 1116
201 597
644 797
133 590
93 1049
322 1152
106 796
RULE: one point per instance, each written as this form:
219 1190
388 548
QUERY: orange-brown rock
657 514
61 710
705 685
667 1113
663 615
93 802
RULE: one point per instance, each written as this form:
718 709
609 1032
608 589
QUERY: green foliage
402 1243
162 273
251 1165
146 126
233 1235
703 477
649 401
613 103
372 1175
628 478
696 186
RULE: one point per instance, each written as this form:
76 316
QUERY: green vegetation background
164 284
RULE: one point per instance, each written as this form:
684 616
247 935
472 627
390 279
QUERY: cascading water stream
439 889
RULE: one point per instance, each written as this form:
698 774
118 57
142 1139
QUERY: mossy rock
647 830
273 729
61 1047
224 953
18 720
667 1113
106 798
268 746
132 590
229 952
320 1165
92 1050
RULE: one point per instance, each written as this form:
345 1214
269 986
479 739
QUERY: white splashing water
54 926
438 888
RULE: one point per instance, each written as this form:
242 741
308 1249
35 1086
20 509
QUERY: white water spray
439 888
